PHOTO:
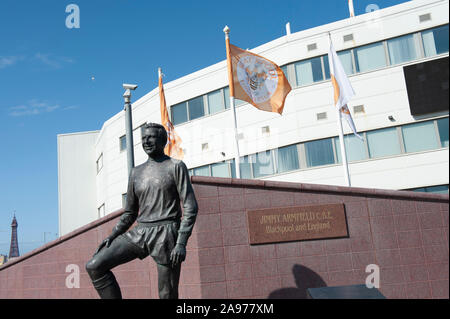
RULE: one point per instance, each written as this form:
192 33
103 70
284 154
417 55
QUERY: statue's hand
178 255
105 243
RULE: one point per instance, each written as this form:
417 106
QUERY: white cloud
71 107
33 107
6 61
53 61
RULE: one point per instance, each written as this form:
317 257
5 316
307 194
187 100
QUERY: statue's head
154 139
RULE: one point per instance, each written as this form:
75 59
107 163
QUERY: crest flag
173 146
256 80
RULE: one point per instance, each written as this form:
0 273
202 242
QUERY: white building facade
76 180
403 148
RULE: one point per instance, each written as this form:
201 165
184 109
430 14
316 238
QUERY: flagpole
161 111
341 131
343 149
226 30
351 9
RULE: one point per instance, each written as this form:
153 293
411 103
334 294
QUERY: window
378 143
308 71
383 142
196 108
355 148
443 131
435 41
245 167
202 171
123 143
179 113
370 57
287 158
188 111
100 163
347 61
402 49
226 94
419 137
263 164
232 168
285 70
237 102
440 189
326 65
319 153
220 170
215 102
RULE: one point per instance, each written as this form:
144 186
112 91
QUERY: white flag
351 8
343 90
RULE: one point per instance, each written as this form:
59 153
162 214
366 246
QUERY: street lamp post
129 125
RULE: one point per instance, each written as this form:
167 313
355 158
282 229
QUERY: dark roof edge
343 190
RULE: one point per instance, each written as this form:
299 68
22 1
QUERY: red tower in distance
14 248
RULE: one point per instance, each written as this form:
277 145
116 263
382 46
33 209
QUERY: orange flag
173 146
256 80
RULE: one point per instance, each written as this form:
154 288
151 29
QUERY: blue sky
56 80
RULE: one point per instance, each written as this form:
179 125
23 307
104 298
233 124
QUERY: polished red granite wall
404 233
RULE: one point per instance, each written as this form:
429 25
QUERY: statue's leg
99 267
168 279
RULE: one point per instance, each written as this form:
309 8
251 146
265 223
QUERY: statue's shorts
156 239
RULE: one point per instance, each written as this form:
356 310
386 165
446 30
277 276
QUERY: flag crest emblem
256 80
258 77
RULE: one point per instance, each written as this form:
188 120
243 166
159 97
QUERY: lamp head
130 86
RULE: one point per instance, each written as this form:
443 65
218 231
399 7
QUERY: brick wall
404 233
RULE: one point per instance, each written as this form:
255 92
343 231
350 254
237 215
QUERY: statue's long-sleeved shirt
155 190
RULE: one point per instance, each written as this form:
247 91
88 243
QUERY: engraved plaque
297 223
